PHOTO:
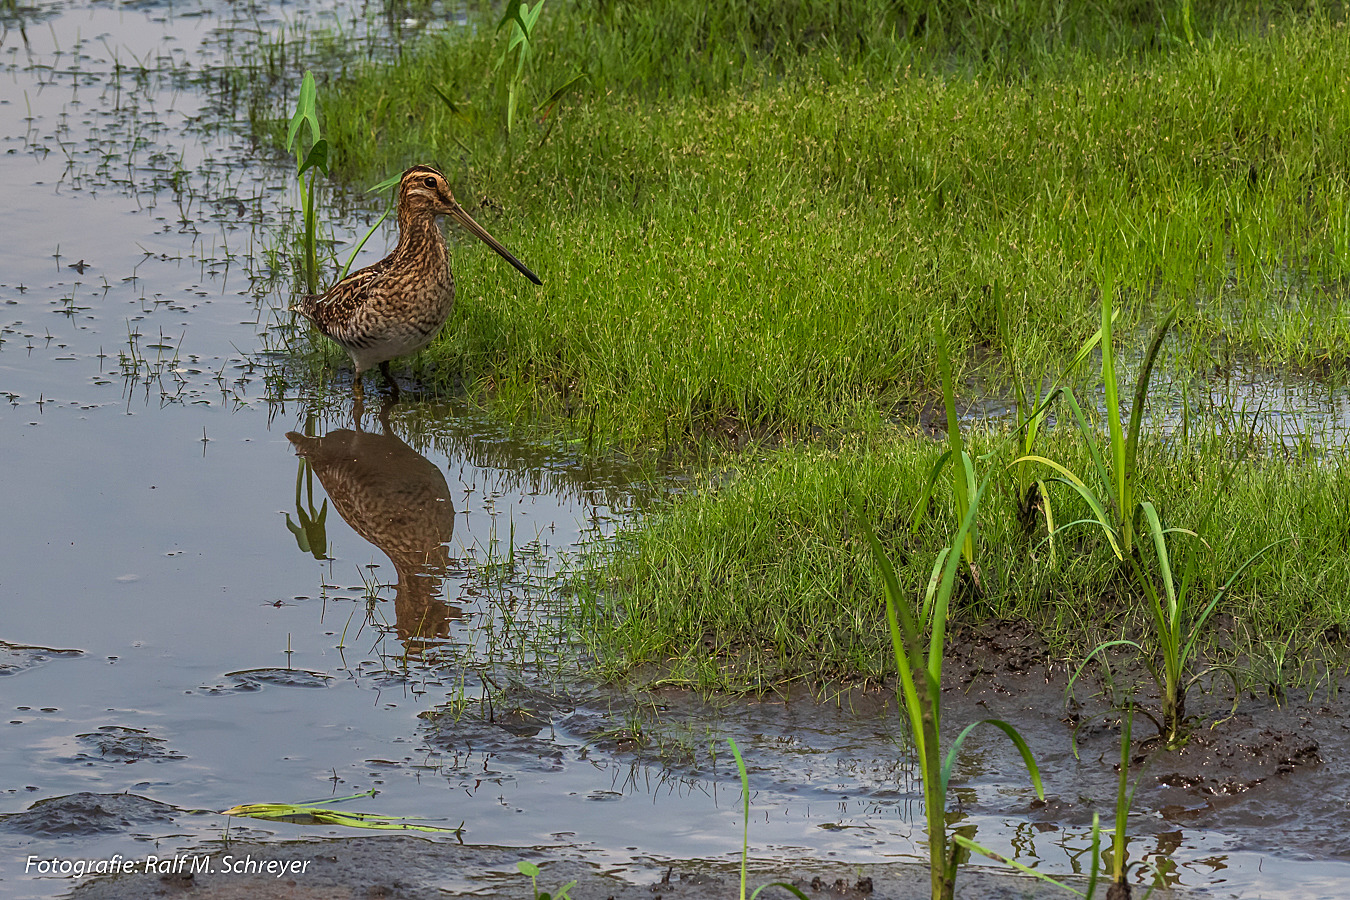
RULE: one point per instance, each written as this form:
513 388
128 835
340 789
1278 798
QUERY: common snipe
396 306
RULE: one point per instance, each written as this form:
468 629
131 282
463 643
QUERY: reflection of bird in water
396 306
398 500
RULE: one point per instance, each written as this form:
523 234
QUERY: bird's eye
430 181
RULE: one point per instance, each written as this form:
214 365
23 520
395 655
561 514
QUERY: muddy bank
1272 776
414 868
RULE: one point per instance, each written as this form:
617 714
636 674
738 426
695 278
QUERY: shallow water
175 625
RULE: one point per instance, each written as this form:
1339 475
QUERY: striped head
423 191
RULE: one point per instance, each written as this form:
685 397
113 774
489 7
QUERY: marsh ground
741 298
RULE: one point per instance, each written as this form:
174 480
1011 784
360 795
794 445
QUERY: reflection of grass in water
513 620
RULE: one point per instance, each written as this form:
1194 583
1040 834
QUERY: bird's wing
342 299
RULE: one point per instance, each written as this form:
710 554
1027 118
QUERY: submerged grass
756 215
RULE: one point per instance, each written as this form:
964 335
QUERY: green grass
759 577
755 218
766 237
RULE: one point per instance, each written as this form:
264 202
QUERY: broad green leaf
317 157
306 111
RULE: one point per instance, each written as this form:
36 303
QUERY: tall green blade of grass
1123 797
1141 386
384 185
1119 477
962 470
920 689
745 834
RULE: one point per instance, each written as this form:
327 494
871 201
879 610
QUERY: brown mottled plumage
396 306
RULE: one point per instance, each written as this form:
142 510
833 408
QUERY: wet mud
16 658
88 813
1270 779
414 868
1275 771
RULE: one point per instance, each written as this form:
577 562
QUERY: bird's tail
306 304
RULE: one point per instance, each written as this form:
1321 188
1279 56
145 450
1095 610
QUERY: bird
396 306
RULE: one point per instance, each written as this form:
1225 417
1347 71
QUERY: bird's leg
388 377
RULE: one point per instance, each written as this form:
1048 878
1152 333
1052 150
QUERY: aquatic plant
920 691
384 185
745 834
1120 886
1118 480
1094 854
311 156
530 869
1032 493
1177 621
521 19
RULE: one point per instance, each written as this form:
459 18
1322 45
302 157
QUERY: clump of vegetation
755 577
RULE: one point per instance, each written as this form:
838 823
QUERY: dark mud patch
1273 775
677 735
16 658
510 728
119 744
76 815
257 679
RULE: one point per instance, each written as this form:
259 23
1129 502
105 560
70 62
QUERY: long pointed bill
463 218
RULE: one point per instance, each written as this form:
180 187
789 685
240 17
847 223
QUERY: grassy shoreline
755 219
765 577
779 252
